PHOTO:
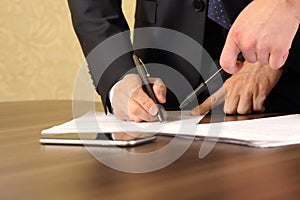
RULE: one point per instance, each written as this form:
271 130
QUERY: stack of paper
265 132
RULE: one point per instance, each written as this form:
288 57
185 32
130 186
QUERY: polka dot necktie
217 13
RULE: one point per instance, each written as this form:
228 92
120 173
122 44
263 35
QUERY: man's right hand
130 102
263 32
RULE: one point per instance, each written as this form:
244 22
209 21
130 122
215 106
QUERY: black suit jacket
96 20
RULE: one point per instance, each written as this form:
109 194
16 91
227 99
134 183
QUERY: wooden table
33 171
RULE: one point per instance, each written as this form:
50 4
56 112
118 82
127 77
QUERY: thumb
228 59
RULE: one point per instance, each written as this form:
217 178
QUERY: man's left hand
244 92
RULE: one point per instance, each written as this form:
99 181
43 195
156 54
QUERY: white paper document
265 132
97 122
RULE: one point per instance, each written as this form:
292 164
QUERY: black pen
144 75
201 88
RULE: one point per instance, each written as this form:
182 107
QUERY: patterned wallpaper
39 52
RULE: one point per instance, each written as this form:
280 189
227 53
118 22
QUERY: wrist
294 3
293 6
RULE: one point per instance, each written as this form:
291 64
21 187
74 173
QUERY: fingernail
162 97
195 111
153 110
160 94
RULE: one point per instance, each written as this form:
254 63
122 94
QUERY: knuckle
161 83
130 76
248 45
258 108
243 111
234 32
227 85
213 100
159 88
249 90
131 79
147 105
229 111
262 47
156 81
135 119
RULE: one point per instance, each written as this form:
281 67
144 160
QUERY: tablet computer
97 139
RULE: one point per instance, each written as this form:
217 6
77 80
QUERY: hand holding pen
144 75
131 102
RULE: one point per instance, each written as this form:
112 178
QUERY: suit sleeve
95 21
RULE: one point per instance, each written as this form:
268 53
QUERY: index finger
214 100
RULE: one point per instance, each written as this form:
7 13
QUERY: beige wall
39 53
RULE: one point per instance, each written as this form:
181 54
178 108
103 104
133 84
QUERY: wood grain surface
29 170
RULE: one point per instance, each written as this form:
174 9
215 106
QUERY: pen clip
144 66
144 75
